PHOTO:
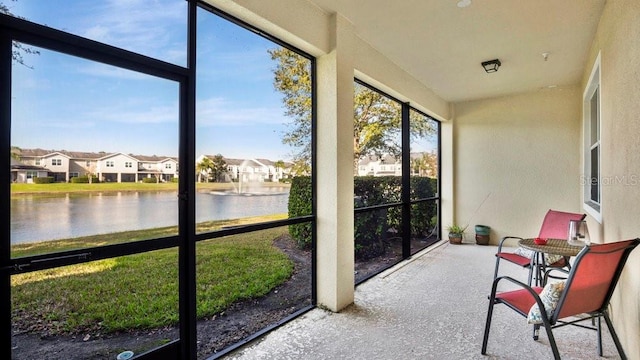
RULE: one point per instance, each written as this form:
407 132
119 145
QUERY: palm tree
279 165
204 167
91 169
417 165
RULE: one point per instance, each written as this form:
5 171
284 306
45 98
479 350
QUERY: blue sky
67 103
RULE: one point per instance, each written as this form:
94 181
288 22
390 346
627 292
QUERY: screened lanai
302 149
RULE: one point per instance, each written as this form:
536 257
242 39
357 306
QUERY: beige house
166 168
387 165
108 167
22 173
251 170
374 165
117 167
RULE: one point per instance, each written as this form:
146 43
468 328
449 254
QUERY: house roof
92 155
153 158
144 158
108 156
70 154
386 159
266 162
17 165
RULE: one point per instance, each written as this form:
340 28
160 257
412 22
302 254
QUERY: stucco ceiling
443 45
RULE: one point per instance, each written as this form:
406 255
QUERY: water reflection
47 217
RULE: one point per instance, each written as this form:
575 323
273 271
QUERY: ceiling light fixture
491 65
464 3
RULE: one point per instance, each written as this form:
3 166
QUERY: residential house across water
64 165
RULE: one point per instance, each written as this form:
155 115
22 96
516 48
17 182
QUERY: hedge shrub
300 204
83 180
371 228
43 180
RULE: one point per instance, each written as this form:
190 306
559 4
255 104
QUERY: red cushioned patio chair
587 290
554 226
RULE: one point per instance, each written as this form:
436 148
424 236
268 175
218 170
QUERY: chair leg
552 341
540 277
536 332
616 341
599 331
540 269
495 273
487 325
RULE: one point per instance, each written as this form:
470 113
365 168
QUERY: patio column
334 170
447 197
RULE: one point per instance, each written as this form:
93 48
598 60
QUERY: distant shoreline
61 188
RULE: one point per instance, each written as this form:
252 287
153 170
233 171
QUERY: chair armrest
533 293
506 238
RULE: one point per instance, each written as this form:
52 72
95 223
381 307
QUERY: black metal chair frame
538 271
552 322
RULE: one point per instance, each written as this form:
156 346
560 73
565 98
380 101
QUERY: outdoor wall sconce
491 65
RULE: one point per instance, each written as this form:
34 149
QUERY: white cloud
98 32
101 70
222 112
128 114
153 28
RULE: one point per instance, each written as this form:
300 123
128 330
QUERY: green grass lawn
141 291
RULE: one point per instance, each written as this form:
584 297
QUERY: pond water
47 217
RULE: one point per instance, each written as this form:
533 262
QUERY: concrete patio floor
433 306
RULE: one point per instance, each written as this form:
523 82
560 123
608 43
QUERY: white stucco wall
618 41
515 158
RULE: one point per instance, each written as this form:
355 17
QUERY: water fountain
249 184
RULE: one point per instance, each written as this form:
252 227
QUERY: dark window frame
406 201
15 29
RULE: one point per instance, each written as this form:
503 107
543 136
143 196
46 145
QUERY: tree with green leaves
16 153
211 168
377 118
430 160
219 167
425 165
292 78
19 50
279 165
204 168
